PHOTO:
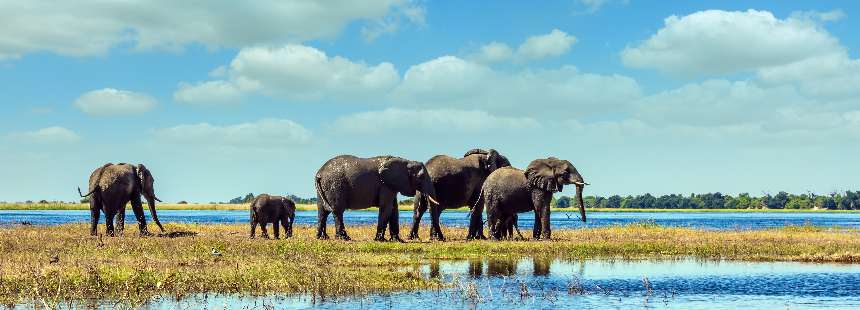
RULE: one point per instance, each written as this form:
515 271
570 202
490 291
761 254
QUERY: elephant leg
137 208
435 228
277 228
109 217
322 218
537 228
492 225
264 230
120 221
546 231
95 212
382 222
253 228
288 228
476 222
417 213
340 227
394 222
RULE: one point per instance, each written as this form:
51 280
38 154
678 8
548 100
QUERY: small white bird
215 252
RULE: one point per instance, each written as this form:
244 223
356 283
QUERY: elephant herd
482 179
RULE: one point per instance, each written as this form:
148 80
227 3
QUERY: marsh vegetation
61 263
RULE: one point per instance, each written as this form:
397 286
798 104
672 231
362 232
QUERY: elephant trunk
150 200
427 190
579 200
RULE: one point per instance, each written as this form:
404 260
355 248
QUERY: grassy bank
134 269
313 207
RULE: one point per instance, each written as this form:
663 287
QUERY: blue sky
220 100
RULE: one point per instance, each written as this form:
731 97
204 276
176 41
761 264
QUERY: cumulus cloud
90 27
553 44
265 133
410 12
452 82
114 102
722 42
436 120
49 135
293 71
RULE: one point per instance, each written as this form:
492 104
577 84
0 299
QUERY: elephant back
110 174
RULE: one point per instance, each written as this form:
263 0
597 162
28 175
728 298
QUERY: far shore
402 207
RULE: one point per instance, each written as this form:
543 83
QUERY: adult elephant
112 187
509 190
457 182
349 182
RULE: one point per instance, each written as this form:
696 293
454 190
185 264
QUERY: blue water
549 284
706 220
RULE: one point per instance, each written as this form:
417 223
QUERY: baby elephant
272 209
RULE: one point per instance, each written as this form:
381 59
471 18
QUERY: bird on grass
215 252
55 259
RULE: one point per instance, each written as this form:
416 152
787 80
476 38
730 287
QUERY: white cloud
49 135
553 44
494 52
265 133
409 12
206 93
114 102
828 76
722 42
437 120
451 82
296 72
89 27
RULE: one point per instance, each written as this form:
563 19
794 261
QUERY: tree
563 202
613 201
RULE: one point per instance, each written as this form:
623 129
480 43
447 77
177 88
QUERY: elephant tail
88 194
321 195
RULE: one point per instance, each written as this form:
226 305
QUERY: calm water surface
706 220
548 284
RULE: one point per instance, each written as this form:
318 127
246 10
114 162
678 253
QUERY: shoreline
310 207
66 263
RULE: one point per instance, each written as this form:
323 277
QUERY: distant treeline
250 196
835 201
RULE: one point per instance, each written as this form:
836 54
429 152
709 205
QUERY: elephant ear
541 173
394 173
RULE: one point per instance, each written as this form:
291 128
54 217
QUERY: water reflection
555 283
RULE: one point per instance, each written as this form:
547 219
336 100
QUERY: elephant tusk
581 183
432 200
156 199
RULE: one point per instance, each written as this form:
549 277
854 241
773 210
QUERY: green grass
403 207
134 269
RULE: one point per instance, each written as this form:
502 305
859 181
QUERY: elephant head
552 174
490 159
148 192
407 177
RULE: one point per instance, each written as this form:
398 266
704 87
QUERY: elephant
350 182
111 187
457 182
272 209
509 190
508 225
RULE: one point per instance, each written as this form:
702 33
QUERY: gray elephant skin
350 182
457 182
111 187
509 190
277 210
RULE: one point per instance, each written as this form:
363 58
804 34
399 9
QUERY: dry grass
135 269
